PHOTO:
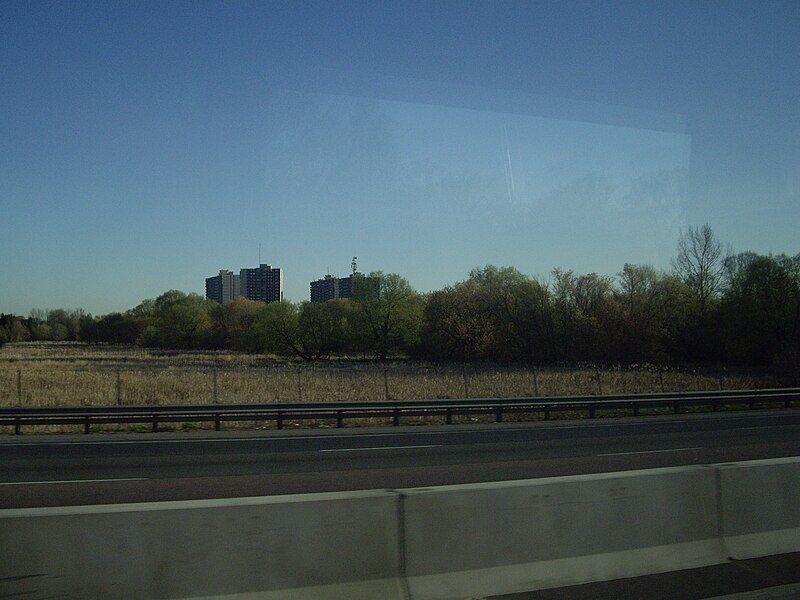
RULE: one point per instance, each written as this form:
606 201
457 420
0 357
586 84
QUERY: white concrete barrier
760 506
338 545
460 541
474 540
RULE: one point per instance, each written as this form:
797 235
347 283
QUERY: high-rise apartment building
325 289
264 284
330 287
223 287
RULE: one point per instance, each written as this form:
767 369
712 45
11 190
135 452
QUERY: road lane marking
379 448
650 451
550 427
72 481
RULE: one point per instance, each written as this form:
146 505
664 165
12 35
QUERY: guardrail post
676 406
592 411
216 390
498 414
119 388
339 419
86 422
721 382
546 414
299 387
385 383
535 384
396 417
599 384
661 379
466 380
279 420
635 410
217 422
715 405
155 423
448 416
17 427
19 387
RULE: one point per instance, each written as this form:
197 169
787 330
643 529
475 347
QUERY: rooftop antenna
354 265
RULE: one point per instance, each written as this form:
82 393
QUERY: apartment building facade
263 284
223 287
331 288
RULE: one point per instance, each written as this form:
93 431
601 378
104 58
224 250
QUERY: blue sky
144 146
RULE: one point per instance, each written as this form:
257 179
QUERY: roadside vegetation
74 374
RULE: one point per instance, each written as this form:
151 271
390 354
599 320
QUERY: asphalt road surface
109 468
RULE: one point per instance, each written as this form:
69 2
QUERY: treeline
52 325
709 308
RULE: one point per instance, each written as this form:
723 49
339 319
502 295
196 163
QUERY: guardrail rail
19 416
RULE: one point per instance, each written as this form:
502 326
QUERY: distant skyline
146 146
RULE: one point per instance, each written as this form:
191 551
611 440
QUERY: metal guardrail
87 416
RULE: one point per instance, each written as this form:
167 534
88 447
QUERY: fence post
466 380
19 387
216 395
119 388
385 382
661 379
299 388
599 384
535 384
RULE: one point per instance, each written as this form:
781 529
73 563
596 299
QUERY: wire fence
96 384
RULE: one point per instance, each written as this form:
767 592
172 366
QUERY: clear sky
145 146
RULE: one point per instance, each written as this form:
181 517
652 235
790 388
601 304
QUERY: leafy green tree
455 325
64 324
144 310
761 311
116 328
17 331
519 310
232 322
87 330
584 314
59 332
179 321
325 327
276 330
309 331
41 332
652 311
392 314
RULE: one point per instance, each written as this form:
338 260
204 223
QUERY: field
68 374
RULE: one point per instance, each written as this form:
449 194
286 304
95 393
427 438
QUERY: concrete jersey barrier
484 539
760 506
459 541
330 545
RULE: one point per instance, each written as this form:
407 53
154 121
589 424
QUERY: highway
57 470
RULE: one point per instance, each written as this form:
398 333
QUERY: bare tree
699 262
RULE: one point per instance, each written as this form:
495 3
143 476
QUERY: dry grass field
52 374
